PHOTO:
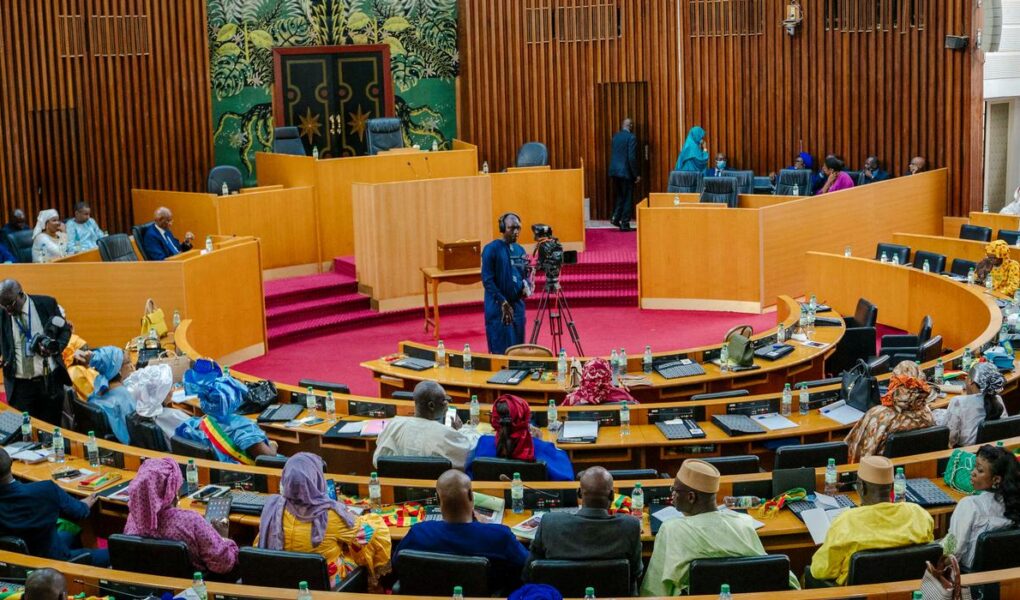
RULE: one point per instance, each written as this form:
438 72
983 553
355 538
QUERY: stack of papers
489 509
841 413
757 524
526 529
364 428
28 452
819 518
774 421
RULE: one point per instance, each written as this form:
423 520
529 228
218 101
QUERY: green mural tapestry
421 34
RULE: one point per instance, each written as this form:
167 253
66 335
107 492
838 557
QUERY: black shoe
625 227
614 222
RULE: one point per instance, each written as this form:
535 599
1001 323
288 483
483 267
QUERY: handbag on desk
153 319
957 475
942 581
738 344
179 363
860 388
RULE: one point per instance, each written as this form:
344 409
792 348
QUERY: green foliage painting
421 34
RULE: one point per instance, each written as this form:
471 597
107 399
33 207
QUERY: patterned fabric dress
904 408
1005 276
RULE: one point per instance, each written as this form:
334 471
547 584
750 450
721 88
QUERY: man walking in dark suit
591 533
34 378
623 169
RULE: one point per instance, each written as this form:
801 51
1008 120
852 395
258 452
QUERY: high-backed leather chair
790 178
906 347
936 261
20 243
161 558
902 253
855 176
138 232
325 386
745 180
282 569
529 350
999 429
996 550
271 461
412 467
917 441
893 564
184 447
961 267
116 248
1010 236
287 140
434 574
228 174
976 233
685 182
489 469
720 190
383 134
865 315
532 154
735 465
89 417
146 434
811 455
610 578
744 575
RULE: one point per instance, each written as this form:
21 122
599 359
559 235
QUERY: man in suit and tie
158 242
624 171
591 533
34 379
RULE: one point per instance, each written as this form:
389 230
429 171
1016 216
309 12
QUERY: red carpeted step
296 311
280 292
345 265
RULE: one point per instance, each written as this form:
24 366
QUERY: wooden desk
995 221
950 247
431 278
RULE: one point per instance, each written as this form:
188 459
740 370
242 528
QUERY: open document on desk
818 519
841 412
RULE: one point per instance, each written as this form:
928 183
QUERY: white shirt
973 516
964 415
414 436
46 249
30 316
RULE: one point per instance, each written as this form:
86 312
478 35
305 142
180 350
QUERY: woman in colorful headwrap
108 392
234 438
303 518
694 155
1004 270
48 241
904 407
981 403
151 389
597 386
153 513
511 420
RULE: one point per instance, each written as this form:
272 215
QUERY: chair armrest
82 558
900 341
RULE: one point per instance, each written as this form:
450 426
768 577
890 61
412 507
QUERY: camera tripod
553 294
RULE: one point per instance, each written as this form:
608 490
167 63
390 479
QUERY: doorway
613 103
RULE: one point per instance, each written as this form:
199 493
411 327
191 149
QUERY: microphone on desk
503 477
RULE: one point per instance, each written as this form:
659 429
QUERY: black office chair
744 575
632 474
220 174
685 182
10 543
138 232
720 190
902 253
116 248
489 469
763 185
858 343
1010 236
735 465
999 429
413 467
532 154
855 176
962 267
975 232
146 434
383 134
745 180
325 386
906 347
89 417
936 262
434 574
811 455
20 243
996 550
610 578
281 569
183 447
162 558
287 140
794 178
271 461
918 441
893 564
865 315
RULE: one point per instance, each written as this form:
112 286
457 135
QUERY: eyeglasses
13 303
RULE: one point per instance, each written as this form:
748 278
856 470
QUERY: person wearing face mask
873 172
48 241
720 166
1013 208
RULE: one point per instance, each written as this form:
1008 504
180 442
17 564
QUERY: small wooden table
435 276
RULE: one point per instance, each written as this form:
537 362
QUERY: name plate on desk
696 413
462 254
358 408
821 399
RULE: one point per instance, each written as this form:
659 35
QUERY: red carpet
335 357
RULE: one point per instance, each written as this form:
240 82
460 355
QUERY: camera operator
504 277
33 334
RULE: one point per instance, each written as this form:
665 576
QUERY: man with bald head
918 164
158 242
426 434
460 534
591 533
45 584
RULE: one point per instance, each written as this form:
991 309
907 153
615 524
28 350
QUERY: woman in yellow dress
1004 270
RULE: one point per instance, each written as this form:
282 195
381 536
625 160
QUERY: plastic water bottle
552 415
796 190
848 252
940 372
485 167
637 501
803 318
966 360
780 333
517 494
813 302
811 320
926 267
622 361
224 189
302 591
177 319
646 362
624 419
374 492
830 477
458 593
315 152
330 407
1003 333
676 200
971 276
895 259
92 450
805 399
26 427
742 502
899 486
191 475
311 404
989 284
786 406
435 146
208 243
467 358
198 586
441 355
473 411
885 257
724 358
58 445
614 358
724 592
589 593
561 367
917 595
153 335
